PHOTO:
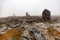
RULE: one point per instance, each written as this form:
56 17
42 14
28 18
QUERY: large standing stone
46 15
27 14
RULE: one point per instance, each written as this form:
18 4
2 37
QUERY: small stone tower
46 15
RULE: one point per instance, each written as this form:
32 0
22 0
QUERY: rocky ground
17 30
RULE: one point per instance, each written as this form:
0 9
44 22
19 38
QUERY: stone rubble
38 31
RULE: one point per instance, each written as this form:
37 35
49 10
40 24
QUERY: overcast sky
33 7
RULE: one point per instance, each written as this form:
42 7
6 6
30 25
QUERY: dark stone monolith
27 14
46 15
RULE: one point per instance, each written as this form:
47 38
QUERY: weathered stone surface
46 15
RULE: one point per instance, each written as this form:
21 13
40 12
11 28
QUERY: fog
33 7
